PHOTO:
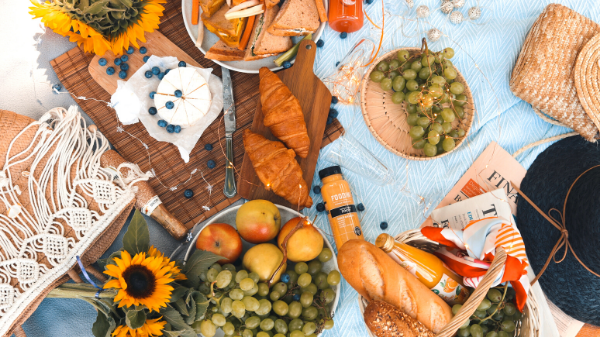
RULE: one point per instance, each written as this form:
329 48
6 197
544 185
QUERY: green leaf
198 263
104 325
191 318
181 307
135 319
137 238
174 318
110 260
178 293
201 304
172 333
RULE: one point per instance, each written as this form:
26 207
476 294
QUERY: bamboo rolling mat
72 70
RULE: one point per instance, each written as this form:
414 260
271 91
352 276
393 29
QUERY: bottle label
342 211
450 291
151 205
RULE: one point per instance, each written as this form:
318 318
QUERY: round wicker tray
387 121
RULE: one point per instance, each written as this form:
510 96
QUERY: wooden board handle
305 58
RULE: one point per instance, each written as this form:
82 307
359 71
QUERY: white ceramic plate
242 66
228 217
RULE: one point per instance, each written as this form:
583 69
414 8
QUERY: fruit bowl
228 216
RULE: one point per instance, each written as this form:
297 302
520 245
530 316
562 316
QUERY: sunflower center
140 281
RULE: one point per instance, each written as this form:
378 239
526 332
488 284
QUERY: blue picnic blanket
486 52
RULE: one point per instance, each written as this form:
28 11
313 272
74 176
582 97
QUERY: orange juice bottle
345 15
428 268
340 206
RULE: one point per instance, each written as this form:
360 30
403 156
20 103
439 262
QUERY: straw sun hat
565 179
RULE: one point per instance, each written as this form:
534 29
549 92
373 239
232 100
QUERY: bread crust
385 320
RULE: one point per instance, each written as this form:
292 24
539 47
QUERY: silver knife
229 116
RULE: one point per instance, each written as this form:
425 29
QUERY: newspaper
567 325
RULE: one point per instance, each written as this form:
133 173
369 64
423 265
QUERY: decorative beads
447 7
456 17
474 13
422 11
434 34
458 3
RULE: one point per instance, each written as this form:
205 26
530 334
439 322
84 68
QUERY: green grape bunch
241 305
496 315
426 84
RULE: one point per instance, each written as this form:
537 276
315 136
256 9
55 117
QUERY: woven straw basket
387 121
530 323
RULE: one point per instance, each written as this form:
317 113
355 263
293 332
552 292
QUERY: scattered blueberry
329 120
57 87
333 113
369 2
208 147
383 225
211 164
152 93
110 70
177 129
181 64
152 111
320 43
360 207
146 58
124 66
162 123
124 58
188 193
169 105
170 128
155 70
178 93
343 35
122 74
320 207
143 50
102 61
160 76
130 50
148 74
337 63
317 189
117 61
287 64
296 297
334 100
167 71
285 278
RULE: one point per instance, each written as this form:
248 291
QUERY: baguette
385 320
376 276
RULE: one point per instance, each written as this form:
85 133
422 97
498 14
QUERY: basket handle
478 295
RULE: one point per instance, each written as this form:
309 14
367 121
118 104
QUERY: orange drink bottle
340 206
346 15
428 268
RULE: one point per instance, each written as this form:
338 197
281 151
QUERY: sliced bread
296 17
267 43
220 51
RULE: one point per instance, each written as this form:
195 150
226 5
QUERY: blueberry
143 50
296 297
285 278
152 111
169 105
146 58
124 58
320 207
167 71
102 61
124 66
170 128
317 189
333 113
181 64
148 74
383 225
122 74
337 63
152 93
130 50
360 207
160 76
208 147
117 61
334 100
320 43
211 164
110 70
155 70
162 123
177 129
287 64
369 2
343 35
56 87
178 93
329 120
188 193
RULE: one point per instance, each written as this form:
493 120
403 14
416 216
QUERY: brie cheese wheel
194 102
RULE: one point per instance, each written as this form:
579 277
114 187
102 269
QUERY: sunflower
176 271
151 328
101 25
141 280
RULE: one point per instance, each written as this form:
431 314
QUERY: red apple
258 221
221 239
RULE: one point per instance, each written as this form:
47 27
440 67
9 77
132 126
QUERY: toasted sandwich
264 44
296 17
210 7
222 52
229 31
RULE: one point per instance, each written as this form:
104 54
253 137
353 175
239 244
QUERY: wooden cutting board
315 100
156 43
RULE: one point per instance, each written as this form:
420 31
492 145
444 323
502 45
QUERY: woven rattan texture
72 70
543 74
586 78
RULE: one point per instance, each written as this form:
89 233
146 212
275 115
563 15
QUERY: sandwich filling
259 28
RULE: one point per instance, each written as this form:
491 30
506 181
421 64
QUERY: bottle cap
385 242
329 171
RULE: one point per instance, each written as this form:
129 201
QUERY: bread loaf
376 276
385 320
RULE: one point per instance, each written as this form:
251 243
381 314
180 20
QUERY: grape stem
500 306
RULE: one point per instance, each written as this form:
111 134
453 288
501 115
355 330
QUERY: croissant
283 113
277 168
